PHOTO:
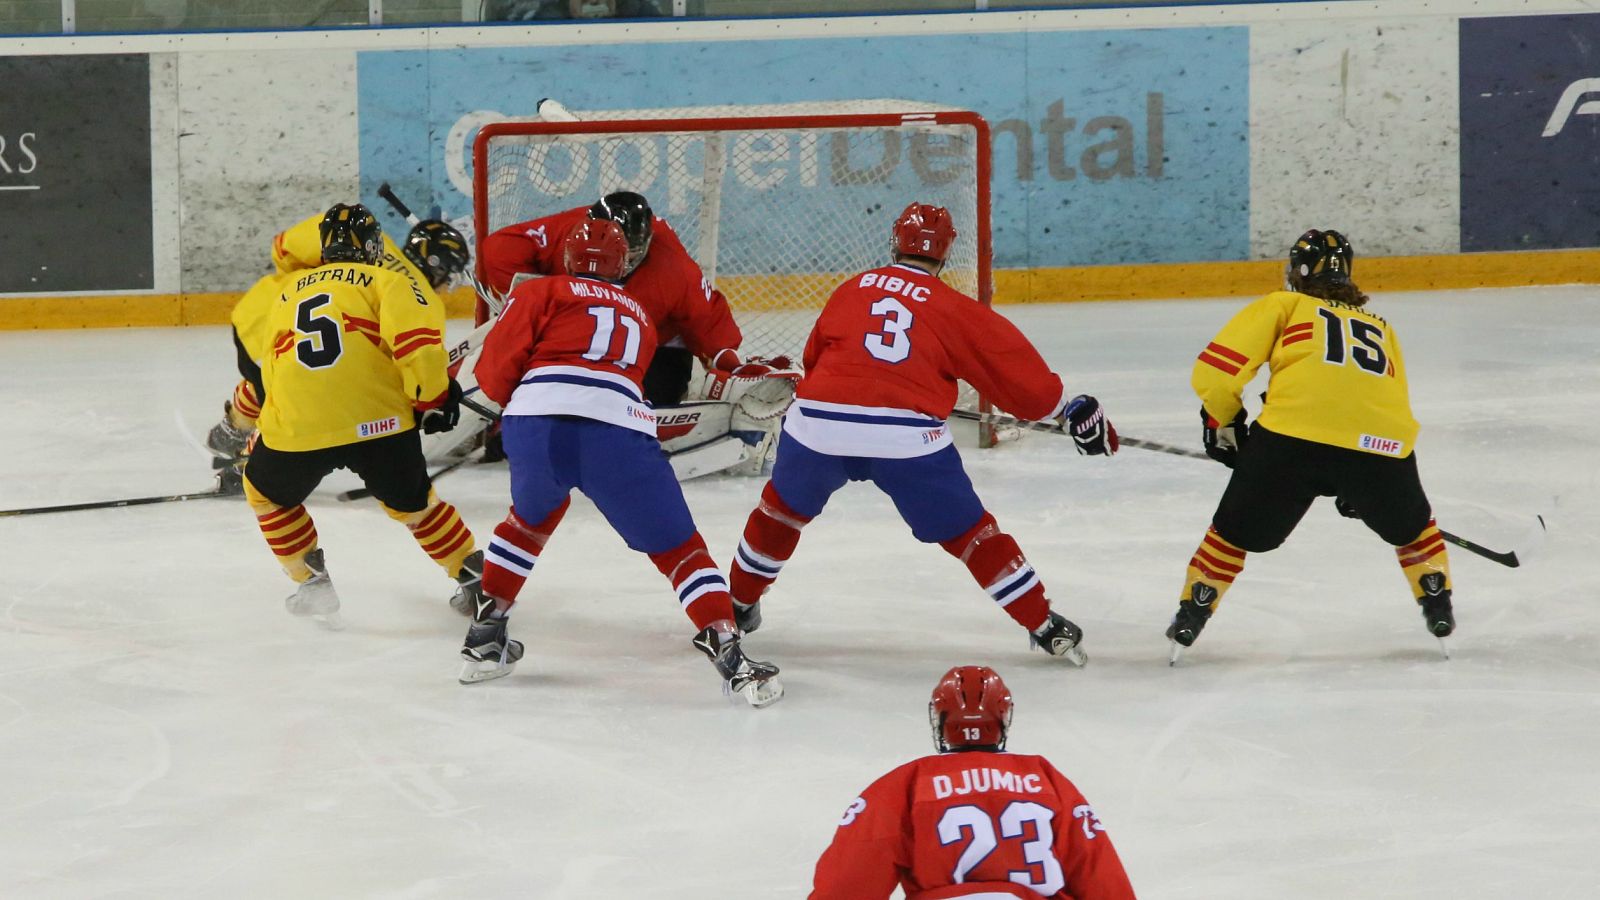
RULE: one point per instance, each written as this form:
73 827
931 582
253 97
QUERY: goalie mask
1319 257
632 214
925 231
438 250
351 233
970 710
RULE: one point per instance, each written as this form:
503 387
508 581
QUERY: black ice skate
488 651
1192 615
1059 637
748 618
470 579
1436 609
316 597
756 682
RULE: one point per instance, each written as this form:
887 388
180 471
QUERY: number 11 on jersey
605 327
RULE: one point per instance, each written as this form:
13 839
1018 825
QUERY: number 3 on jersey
605 328
892 344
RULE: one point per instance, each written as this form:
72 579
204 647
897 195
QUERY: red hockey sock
997 564
700 586
769 540
512 552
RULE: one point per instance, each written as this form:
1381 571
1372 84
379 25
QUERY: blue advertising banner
1109 146
1530 132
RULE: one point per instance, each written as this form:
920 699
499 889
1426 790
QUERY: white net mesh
777 217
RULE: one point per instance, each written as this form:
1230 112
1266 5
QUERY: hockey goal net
778 204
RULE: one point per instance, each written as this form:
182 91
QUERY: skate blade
475 671
1076 656
331 621
1177 651
756 693
1444 647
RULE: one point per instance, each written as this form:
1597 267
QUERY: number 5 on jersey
605 328
892 344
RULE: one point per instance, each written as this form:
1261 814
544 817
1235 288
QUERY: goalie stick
113 504
1507 558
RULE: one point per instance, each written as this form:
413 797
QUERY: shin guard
770 536
997 564
514 550
702 591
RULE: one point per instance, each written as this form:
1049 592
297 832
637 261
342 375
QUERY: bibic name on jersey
574 347
1338 376
355 351
971 818
883 362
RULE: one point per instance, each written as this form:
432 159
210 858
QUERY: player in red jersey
972 821
692 317
881 369
566 361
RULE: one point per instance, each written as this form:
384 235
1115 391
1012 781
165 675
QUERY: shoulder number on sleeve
856 808
1090 821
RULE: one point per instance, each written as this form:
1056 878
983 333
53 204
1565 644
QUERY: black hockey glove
1090 429
444 416
1223 441
1346 508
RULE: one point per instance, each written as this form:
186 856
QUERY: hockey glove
1346 508
1090 429
1223 441
444 416
755 367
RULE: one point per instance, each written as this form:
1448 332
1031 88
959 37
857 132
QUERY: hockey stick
495 302
1507 558
113 504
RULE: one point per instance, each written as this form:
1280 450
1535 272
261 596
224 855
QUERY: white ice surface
167 730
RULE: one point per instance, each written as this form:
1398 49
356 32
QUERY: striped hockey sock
1214 566
997 564
246 406
702 591
439 531
1425 563
769 539
514 550
289 531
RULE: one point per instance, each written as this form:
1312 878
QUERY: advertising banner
75 210
1530 132
1109 146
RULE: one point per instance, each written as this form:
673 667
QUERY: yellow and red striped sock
1215 564
440 532
246 406
1423 557
288 530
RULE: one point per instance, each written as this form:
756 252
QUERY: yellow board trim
1056 285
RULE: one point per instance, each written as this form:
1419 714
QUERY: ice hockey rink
167 730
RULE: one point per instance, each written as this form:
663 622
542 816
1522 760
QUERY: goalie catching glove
755 367
1223 441
1086 421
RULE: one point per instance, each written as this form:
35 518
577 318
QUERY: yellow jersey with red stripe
299 247
355 351
252 313
1338 376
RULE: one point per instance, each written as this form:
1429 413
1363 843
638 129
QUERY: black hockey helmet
632 212
351 233
1320 256
438 250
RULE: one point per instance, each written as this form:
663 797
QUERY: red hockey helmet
597 248
970 709
924 230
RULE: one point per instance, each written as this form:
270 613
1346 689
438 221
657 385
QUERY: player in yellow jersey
356 364
434 254
1336 423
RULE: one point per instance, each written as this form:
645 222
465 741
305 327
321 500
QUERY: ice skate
756 682
1059 637
488 651
316 597
748 618
1193 613
1437 611
470 581
224 440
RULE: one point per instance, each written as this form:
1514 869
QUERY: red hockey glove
755 367
1090 429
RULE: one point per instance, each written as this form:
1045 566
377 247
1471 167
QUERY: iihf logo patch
1386 446
378 427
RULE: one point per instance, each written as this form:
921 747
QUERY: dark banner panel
75 174
1530 132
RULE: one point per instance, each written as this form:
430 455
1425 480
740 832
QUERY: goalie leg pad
997 564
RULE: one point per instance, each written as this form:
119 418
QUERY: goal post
778 204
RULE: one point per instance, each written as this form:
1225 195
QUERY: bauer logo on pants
75 174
